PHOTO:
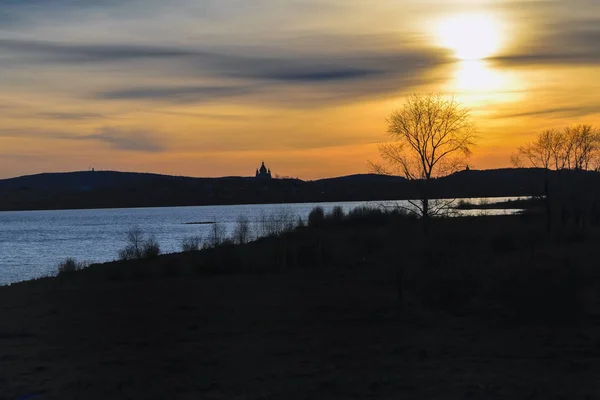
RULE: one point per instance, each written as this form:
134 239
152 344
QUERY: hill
108 189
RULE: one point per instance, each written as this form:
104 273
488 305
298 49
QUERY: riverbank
528 203
495 308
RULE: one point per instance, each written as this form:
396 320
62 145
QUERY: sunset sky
213 87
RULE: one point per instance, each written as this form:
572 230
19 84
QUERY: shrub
69 266
287 220
150 248
216 235
316 217
283 220
133 250
242 232
192 243
369 216
337 214
139 247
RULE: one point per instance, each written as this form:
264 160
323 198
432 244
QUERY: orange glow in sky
212 88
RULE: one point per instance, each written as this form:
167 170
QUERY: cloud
69 116
53 52
566 43
576 111
175 93
362 70
319 74
117 138
130 140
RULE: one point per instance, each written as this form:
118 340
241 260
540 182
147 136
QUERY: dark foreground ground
295 336
323 333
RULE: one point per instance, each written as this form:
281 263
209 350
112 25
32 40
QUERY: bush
133 250
316 218
216 235
282 221
150 248
138 247
369 216
69 266
336 215
192 243
242 233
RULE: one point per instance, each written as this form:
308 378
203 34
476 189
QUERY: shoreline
327 202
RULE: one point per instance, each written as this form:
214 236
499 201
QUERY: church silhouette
263 172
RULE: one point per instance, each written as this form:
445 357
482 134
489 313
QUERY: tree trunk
425 216
425 207
547 201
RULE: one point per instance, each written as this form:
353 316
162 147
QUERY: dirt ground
298 335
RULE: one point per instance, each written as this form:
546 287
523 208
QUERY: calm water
32 243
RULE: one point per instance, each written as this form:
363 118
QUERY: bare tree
547 150
432 136
138 246
585 140
541 152
575 147
216 235
558 147
242 233
516 160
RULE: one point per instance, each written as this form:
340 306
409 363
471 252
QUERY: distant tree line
571 194
573 148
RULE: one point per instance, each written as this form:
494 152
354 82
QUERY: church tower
263 172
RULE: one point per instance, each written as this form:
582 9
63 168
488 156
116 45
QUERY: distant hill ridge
104 189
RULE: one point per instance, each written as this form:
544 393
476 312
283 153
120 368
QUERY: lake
32 243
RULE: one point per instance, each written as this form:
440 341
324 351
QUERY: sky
214 87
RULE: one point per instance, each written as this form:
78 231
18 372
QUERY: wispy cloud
175 93
53 52
126 139
363 71
69 116
566 42
576 111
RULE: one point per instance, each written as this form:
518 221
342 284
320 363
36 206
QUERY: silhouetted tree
585 143
431 136
541 152
576 147
547 150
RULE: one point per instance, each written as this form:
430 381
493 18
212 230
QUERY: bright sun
470 36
